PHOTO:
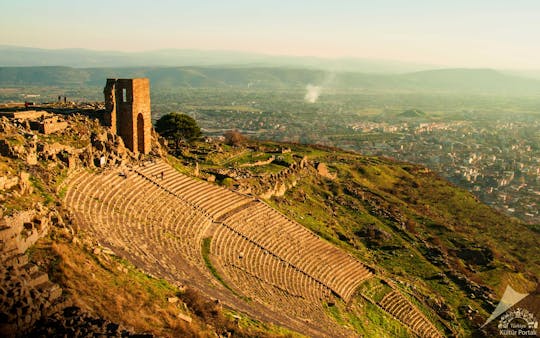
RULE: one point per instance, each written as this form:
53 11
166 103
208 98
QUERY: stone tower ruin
127 105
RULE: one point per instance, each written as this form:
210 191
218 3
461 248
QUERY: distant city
499 162
491 149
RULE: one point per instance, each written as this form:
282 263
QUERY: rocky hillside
431 245
451 254
51 272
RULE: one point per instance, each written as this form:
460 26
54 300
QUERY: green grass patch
176 164
62 192
206 256
246 322
375 289
381 324
48 199
335 313
157 288
366 319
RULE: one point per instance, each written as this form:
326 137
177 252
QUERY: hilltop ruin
128 113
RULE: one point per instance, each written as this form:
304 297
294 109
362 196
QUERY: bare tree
234 137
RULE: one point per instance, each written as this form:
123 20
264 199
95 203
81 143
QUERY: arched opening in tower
140 133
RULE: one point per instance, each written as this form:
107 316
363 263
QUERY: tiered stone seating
398 306
258 274
158 218
265 226
299 247
134 215
210 198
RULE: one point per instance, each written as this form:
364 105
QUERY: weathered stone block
184 317
38 278
53 127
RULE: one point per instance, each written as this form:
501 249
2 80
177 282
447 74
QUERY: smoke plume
312 93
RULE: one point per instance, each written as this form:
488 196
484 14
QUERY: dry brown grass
116 291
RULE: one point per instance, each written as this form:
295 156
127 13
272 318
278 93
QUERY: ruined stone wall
52 126
24 115
142 114
124 113
110 104
277 184
127 104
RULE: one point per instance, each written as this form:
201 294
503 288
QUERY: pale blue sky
474 33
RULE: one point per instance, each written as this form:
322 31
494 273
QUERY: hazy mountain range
84 58
21 66
447 80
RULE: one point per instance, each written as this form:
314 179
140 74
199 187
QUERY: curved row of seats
300 247
398 306
258 274
265 226
210 198
132 214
